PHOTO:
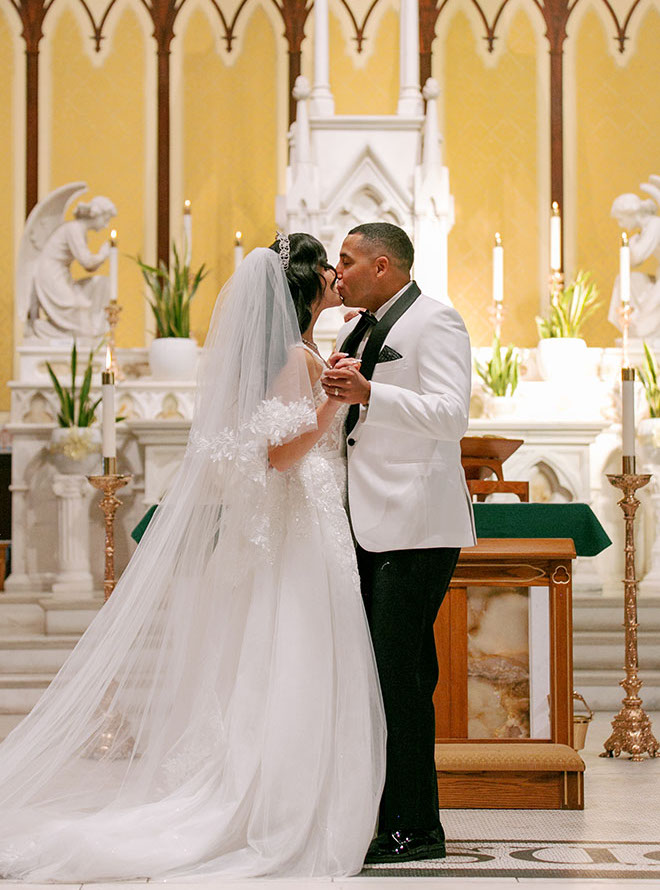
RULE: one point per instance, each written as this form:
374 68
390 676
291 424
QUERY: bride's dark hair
306 283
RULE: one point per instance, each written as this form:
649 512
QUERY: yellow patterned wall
98 122
230 161
7 215
98 135
618 144
490 131
368 85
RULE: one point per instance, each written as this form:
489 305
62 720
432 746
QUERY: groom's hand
345 384
336 357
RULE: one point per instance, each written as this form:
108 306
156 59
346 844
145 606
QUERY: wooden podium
535 773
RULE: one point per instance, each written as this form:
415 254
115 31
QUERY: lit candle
238 250
628 416
113 265
498 269
108 416
555 238
187 232
624 270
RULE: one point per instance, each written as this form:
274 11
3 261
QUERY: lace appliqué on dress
272 423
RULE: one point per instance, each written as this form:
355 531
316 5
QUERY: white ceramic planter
562 359
501 406
173 358
76 450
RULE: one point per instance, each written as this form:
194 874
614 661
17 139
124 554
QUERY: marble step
41 613
606 613
21 614
602 691
604 649
35 653
19 693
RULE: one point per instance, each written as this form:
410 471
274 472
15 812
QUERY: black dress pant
403 590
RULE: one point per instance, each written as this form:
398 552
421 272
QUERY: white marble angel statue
44 284
633 212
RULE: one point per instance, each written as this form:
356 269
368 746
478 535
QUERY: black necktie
352 342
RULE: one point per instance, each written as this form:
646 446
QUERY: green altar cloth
141 527
576 521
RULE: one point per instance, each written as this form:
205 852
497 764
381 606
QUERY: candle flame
498 239
186 206
624 239
108 358
113 238
555 208
239 235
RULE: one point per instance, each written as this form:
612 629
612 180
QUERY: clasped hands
343 382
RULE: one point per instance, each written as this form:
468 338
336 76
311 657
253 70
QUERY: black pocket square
387 354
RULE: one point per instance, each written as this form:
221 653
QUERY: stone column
73 493
322 102
410 96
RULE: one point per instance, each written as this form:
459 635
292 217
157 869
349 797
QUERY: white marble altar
349 169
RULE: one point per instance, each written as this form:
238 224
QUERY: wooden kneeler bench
526 775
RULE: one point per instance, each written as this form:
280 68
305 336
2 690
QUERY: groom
409 505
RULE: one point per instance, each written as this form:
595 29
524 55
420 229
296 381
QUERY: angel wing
652 187
40 224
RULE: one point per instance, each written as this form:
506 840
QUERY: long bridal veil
221 715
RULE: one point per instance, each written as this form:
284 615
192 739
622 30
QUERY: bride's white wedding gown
222 717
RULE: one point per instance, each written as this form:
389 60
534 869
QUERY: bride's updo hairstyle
306 256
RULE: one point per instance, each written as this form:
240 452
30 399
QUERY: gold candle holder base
109 483
631 728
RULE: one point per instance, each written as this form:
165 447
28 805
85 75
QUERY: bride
221 715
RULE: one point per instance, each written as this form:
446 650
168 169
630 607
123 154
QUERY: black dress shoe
406 846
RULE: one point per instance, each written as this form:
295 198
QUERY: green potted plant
500 377
562 352
649 428
173 352
75 444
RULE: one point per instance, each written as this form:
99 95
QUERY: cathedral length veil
221 715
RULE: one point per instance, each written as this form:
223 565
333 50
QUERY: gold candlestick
631 726
109 483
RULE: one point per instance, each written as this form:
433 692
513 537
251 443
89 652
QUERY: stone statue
632 212
44 284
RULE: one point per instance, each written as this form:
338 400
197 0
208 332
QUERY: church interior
518 143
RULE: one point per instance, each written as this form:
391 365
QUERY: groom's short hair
389 239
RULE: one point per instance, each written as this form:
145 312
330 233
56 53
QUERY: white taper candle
498 269
628 411
555 238
108 408
624 269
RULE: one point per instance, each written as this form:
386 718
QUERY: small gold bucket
581 724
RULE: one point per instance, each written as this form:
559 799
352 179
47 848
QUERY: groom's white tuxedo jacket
406 485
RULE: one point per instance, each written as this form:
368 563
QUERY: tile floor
613 843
